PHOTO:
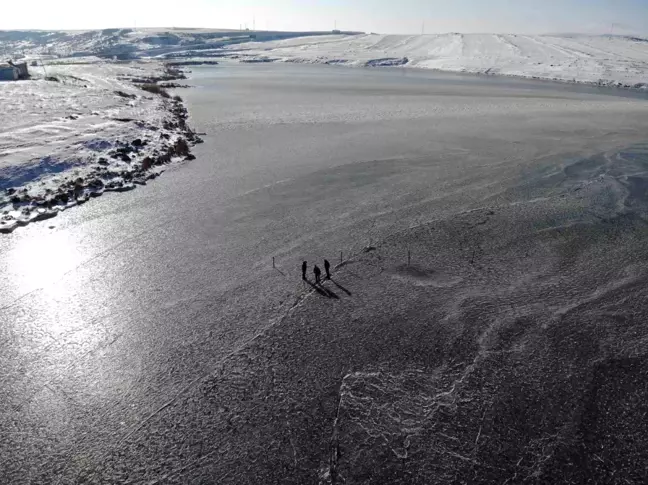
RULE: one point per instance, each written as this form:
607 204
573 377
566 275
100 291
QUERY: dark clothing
304 267
327 268
318 273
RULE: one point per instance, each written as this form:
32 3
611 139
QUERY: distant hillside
599 59
129 43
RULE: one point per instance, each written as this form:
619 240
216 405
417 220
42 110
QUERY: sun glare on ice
39 262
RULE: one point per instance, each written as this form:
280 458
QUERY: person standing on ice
318 273
327 268
304 268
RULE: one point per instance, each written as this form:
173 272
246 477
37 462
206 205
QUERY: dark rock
125 95
163 159
174 85
193 63
102 161
96 184
137 142
10 191
124 188
190 157
126 158
181 147
147 163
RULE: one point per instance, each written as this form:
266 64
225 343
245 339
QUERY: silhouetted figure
327 268
318 273
304 268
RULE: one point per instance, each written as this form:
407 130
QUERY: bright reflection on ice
38 262
42 270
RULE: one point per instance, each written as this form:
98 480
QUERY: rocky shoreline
120 165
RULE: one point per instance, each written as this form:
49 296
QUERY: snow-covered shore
77 130
605 60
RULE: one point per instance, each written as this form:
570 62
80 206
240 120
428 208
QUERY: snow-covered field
77 130
608 60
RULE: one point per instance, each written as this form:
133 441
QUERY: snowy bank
79 130
606 60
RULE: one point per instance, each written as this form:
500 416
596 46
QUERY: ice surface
148 338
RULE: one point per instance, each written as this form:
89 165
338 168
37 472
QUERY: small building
12 72
8 72
23 71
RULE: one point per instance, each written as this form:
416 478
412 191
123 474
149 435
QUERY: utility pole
254 23
423 28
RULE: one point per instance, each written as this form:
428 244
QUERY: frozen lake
134 303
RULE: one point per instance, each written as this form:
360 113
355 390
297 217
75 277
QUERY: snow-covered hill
584 58
127 43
